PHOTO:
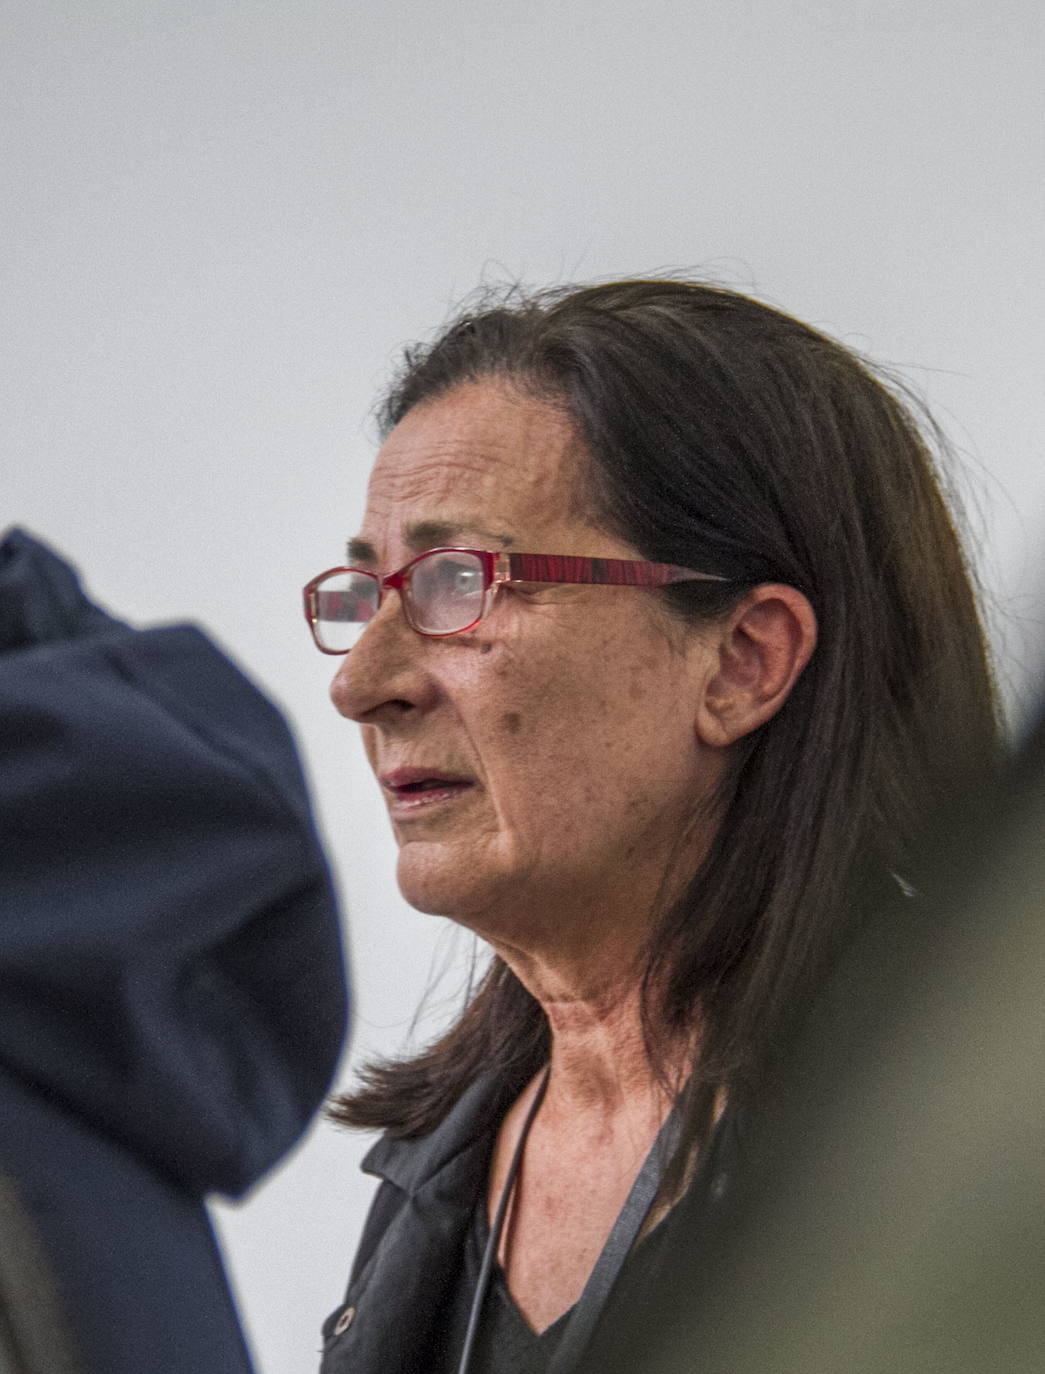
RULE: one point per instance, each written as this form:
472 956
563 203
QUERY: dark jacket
409 1257
410 1250
172 999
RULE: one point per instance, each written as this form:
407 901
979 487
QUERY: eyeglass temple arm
614 572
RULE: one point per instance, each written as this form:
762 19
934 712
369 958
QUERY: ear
758 651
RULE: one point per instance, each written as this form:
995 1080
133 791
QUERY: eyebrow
430 534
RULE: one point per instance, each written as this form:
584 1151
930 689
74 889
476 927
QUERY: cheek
572 748
575 794
587 732
615 737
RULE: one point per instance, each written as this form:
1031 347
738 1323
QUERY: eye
463 579
445 575
447 586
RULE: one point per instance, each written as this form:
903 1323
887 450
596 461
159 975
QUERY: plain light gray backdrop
221 221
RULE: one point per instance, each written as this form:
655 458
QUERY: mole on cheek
512 722
485 646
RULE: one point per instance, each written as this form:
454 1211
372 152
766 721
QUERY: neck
601 1061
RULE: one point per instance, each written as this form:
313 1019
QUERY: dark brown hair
726 436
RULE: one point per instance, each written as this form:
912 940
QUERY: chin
433 884
442 884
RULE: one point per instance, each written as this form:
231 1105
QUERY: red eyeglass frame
502 568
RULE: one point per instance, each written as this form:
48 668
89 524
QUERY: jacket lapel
406 1272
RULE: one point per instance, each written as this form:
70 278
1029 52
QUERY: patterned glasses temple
498 569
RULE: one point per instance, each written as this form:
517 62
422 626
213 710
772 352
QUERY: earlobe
761 648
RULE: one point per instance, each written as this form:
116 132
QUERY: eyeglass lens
446 593
344 603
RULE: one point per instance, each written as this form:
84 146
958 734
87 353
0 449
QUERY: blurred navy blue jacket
172 999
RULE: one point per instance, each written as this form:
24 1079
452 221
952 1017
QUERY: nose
382 677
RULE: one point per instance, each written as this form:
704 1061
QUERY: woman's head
549 765
709 431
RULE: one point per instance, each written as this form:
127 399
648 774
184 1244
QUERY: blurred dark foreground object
172 998
891 1216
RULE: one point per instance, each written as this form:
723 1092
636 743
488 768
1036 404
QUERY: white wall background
221 220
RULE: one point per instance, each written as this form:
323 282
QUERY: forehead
484 457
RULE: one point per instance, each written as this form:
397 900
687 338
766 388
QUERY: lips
414 789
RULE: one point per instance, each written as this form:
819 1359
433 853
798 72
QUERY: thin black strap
494 1238
582 1321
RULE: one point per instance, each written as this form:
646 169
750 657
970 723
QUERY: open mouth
411 789
429 785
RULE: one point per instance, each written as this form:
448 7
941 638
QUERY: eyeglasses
448 591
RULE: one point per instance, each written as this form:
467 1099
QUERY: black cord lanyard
626 1228
482 1283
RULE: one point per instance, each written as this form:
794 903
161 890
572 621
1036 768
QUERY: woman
661 770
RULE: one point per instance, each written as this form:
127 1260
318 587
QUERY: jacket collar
410 1162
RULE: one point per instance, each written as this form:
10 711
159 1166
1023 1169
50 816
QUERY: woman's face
561 726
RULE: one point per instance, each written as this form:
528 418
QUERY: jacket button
344 1321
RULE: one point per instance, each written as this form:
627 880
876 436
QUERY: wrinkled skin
571 708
